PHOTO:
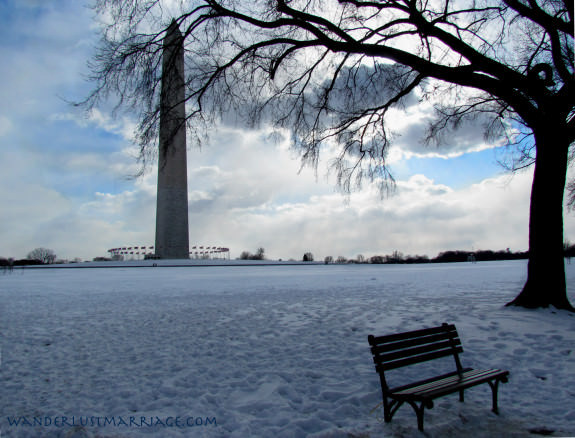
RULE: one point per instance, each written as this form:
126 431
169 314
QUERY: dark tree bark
546 284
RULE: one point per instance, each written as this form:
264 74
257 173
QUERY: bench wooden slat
412 342
446 352
415 351
375 340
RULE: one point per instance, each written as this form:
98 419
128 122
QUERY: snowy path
268 351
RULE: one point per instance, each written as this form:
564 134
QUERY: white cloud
424 218
125 127
410 126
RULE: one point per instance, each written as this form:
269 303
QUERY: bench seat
446 384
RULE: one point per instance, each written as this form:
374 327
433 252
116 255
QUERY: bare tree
260 253
44 255
330 71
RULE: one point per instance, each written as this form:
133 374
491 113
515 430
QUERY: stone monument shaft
172 235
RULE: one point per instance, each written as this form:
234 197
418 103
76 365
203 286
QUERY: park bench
409 348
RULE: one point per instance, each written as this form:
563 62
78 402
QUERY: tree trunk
546 284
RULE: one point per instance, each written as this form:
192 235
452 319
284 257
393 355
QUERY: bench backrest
403 349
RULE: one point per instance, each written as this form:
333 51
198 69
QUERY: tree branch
539 16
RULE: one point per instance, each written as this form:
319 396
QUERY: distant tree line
480 256
443 257
7 262
397 257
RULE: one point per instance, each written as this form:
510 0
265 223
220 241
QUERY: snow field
270 351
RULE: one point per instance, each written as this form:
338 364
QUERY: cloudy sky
65 181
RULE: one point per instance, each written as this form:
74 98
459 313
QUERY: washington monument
172 235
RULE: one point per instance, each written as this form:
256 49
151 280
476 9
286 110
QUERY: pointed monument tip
172 32
173 27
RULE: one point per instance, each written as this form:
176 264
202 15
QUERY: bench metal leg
494 388
419 411
390 408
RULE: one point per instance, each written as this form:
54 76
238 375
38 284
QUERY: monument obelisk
172 235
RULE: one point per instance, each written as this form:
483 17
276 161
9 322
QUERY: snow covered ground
274 351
